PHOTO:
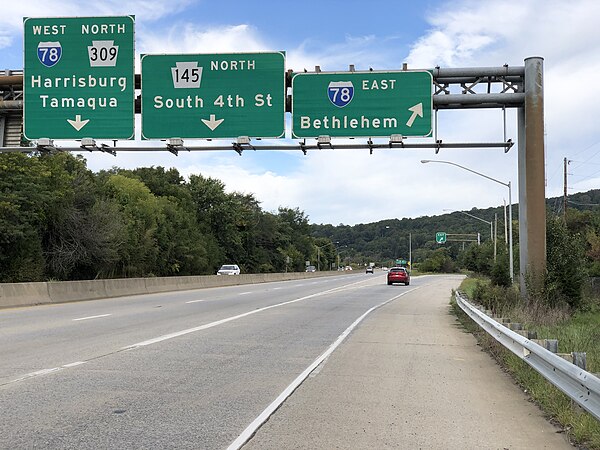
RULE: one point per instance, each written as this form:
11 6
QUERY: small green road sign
78 78
440 237
354 104
213 96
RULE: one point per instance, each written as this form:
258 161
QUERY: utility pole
410 250
566 163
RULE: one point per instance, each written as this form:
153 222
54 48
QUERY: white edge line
269 410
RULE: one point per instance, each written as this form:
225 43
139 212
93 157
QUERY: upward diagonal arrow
417 110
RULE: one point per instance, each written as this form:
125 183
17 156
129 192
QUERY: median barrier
23 294
29 294
119 287
72 291
166 284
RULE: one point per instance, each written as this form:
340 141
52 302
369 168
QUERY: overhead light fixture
175 142
88 142
45 145
45 142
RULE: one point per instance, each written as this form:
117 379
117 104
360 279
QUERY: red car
398 275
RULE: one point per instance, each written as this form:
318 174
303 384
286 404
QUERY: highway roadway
204 369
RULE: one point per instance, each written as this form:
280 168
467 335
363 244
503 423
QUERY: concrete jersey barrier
39 293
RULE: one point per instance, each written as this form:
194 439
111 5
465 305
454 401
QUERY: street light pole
508 185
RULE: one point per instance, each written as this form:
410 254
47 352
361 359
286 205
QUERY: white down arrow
212 123
78 124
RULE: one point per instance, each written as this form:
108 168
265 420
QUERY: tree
23 199
142 212
438 261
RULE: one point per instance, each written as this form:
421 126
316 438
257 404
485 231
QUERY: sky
353 186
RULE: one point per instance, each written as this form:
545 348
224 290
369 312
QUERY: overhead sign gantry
79 77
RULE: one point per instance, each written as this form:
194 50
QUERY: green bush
565 269
439 261
494 297
500 274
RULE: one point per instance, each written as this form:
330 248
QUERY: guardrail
581 386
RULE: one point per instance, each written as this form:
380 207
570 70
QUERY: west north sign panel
354 104
213 95
79 77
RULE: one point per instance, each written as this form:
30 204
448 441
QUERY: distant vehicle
369 269
385 269
398 275
348 268
311 269
229 269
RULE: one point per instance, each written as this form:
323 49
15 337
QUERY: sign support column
532 197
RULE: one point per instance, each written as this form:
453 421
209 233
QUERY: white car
229 269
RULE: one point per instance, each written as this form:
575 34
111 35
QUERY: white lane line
228 319
245 293
173 335
75 364
269 410
194 301
92 317
39 373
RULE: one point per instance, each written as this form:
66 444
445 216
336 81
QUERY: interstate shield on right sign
362 104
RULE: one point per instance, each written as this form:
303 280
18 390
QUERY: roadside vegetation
566 309
61 221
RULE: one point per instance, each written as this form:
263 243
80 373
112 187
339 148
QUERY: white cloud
11 19
189 38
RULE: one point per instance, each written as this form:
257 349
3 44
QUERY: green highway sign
440 237
78 78
214 96
355 104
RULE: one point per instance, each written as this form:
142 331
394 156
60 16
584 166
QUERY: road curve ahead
204 369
